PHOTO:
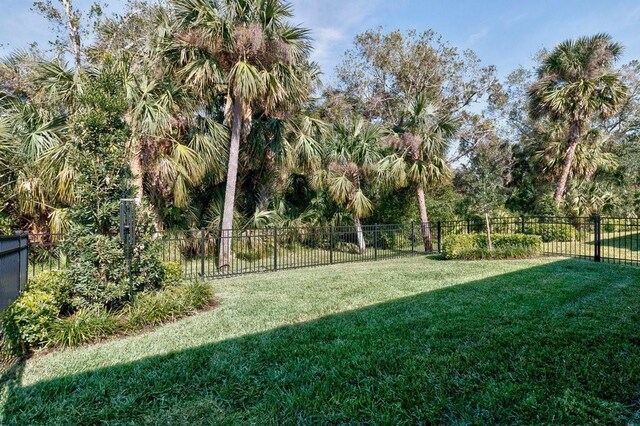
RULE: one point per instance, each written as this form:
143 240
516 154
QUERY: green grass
403 341
616 247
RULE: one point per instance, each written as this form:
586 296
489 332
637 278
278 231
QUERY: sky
504 33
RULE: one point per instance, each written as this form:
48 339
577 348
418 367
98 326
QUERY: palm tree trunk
424 219
135 164
574 138
488 221
226 233
362 245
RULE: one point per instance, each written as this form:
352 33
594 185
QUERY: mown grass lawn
401 341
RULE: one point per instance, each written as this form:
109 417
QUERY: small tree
483 179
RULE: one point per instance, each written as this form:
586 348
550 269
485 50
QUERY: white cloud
333 24
477 36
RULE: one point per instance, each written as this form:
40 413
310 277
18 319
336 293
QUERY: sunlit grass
400 341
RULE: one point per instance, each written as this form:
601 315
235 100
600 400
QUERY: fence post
597 238
468 226
413 238
439 237
524 225
275 248
375 242
202 252
331 244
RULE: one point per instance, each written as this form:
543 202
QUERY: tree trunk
135 164
362 245
73 27
574 138
488 221
226 232
424 220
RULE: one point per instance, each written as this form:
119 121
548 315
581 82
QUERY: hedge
554 232
475 246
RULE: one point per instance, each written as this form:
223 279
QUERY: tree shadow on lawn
613 241
557 343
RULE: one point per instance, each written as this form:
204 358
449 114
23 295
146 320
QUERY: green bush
624 225
553 232
26 324
156 307
388 240
82 327
57 285
250 255
99 274
173 273
475 246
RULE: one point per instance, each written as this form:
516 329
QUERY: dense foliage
206 111
211 114
505 246
46 314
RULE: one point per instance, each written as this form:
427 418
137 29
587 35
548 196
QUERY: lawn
409 340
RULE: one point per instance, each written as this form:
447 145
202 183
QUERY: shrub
99 274
250 255
388 240
26 324
553 232
619 225
57 285
153 308
475 246
173 273
83 326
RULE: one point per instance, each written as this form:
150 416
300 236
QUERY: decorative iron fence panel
281 248
602 239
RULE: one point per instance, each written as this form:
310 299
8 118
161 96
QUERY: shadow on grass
629 241
556 343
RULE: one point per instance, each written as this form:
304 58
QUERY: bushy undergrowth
27 322
47 313
505 246
554 232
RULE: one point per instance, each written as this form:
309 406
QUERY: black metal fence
13 268
279 248
602 239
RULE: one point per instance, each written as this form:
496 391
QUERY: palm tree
37 177
353 157
419 148
576 84
248 51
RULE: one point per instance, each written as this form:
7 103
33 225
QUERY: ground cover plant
400 341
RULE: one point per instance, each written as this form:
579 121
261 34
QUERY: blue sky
503 33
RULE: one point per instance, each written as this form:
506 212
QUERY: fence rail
601 239
279 248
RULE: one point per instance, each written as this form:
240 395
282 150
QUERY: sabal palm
175 141
37 177
576 84
353 158
419 148
249 52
